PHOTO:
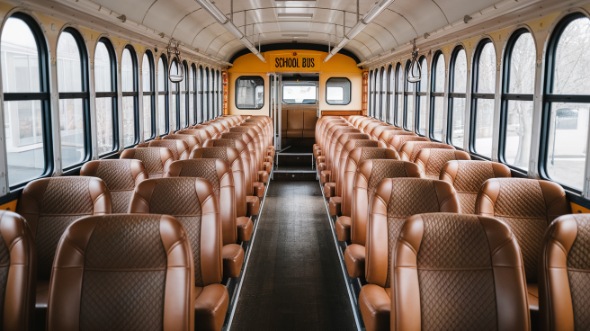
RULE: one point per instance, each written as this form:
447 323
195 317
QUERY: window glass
23 119
519 113
399 92
484 105
371 93
148 96
338 91
128 71
162 96
104 72
569 119
409 99
174 97
72 105
390 94
249 92
423 98
457 101
192 118
300 93
437 99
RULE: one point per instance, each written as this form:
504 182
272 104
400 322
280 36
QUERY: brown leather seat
322 162
410 149
395 200
257 165
49 205
192 201
191 141
379 130
341 205
237 140
155 159
330 160
18 272
246 205
234 229
201 134
528 206
432 160
467 177
457 272
320 130
178 147
369 174
332 188
564 285
387 136
122 272
398 140
120 176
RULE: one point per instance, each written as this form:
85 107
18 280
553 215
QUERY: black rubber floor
293 280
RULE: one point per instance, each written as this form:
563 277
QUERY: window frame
344 94
549 98
452 95
84 95
250 77
43 96
419 93
506 96
166 94
134 94
151 93
409 94
390 93
475 95
113 94
434 94
399 108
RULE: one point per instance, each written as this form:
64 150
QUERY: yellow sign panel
290 62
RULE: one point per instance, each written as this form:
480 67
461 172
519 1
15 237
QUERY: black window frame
434 94
409 94
84 95
390 94
399 108
455 95
249 77
134 94
419 93
113 94
151 94
166 94
349 91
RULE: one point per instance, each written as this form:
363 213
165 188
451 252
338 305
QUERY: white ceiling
399 24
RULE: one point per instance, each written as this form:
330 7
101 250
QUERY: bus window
409 99
484 77
399 92
249 92
390 94
457 89
517 101
421 106
338 91
129 101
74 116
300 93
437 97
567 101
149 129
26 95
163 118
105 74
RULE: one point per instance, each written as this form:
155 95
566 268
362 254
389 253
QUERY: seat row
363 163
205 194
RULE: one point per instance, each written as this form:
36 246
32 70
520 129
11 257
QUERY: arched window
390 95
517 99
399 93
457 95
183 87
567 102
200 96
409 98
378 91
371 93
130 95
74 102
422 97
383 112
213 93
26 100
105 78
192 95
206 97
437 96
219 93
163 112
482 105
175 112
149 96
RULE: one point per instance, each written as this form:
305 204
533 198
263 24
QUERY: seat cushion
335 206
233 259
325 176
245 227
354 259
263 176
343 228
211 304
253 204
375 307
